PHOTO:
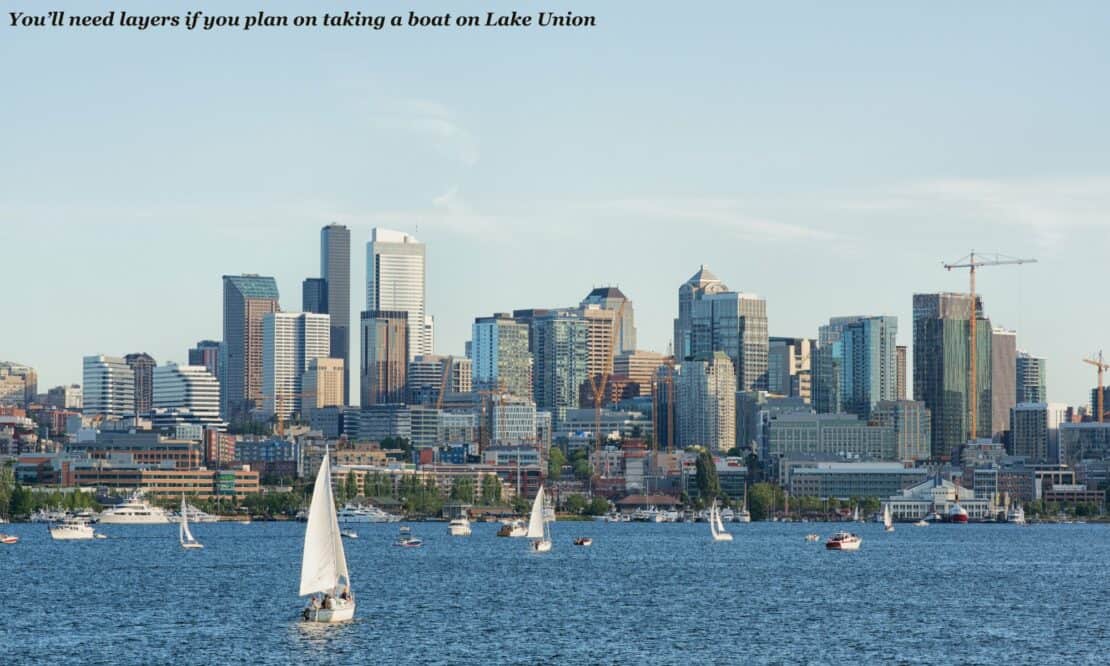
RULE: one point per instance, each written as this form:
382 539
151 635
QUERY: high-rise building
912 428
1105 403
600 336
206 353
736 324
639 366
65 397
707 402
385 357
901 352
335 271
1031 380
941 337
612 298
322 384
108 385
425 378
700 284
501 360
247 298
1035 429
664 406
395 282
186 394
290 340
314 295
142 365
560 362
858 364
788 367
18 384
1003 374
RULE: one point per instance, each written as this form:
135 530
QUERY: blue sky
827 158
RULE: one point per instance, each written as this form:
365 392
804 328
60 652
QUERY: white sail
855 513
324 564
717 518
186 535
713 519
536 520
888 520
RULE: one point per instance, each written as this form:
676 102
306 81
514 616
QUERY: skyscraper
314 295
858 364
142 364
736 324
395 277
385 357
1031 380
707 402
912 427
322 384
290 341
700 284
902 371
788 367
500 357
640 366
1036 429
425 378
941 337
108 386
247 298
1003 386
560 362
206 353
612 298
187 394
335 271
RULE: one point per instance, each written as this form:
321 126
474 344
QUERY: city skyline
828 166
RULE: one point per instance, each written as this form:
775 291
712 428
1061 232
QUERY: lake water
643 593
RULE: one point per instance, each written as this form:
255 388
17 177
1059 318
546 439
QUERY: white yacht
353 513
459 527
71 530
134 511
1016 515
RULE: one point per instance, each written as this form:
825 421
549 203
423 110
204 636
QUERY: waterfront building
936 496
639 367
18 384
247 299
788 367
560 361
700 284
900 351
846 480
108 386
1031 380
736 324
613 299
322 384
912 425
706 409
840 434
314 295
1003 380
941 335
65 397
142 365
185 394
1035 428
385 357
500 355
290 340
395 282
858 364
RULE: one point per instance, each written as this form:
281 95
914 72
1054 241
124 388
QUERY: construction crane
1098 363
600 381
448 364
972 262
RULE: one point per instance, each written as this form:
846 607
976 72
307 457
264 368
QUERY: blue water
643 593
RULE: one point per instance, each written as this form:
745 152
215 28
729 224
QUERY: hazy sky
827 158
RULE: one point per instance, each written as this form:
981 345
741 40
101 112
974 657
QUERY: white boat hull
725 536
541 545
154 519
192 545
344 613
458 529
71 533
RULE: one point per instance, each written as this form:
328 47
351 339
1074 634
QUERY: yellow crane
973 262
1098 363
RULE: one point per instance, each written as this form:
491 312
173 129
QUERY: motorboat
71 530
134 511
459 527
348 534
583 541
8 539
1016 515
516 528
727 515
405 539
956 514
843 541
813 537
353 513
921 523
324 565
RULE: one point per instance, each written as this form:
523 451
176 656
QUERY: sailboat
716 527
324 567
744 516
186 537
888 518
538 530
855 514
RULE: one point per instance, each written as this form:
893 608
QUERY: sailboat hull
344 613
541 545
724 536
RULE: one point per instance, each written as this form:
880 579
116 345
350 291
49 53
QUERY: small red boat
9 538
957 514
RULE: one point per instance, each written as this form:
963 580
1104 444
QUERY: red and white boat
843 541
957 514
9 539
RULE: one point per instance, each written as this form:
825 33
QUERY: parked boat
459 527
405 539
348 534
134 511
188 541
352 513
921 523
844 541
888 518
195 515
48 516
324 565
71 530
583 541
716 527
8 539
538 530
516 528
956 514
1016 515
813 537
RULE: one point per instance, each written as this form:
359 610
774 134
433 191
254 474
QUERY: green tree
599 506
763 498
520 504
491 489
709 485
462 489
575 504
351 485
555 461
